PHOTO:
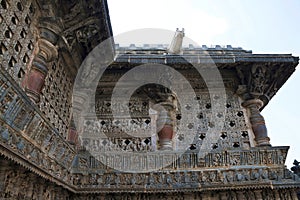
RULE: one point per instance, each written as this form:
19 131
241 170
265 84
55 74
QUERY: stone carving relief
181 178
139 127
253 80
25 131
21 183
137 107
83 27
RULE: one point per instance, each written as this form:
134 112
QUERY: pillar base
165 137
263 142
34 96
165 145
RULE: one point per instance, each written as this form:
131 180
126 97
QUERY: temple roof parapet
190 49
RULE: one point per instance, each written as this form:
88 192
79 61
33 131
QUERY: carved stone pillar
258 194
276 194
46 52
240 195
294 194
165 125
257 121
253 87
4 168
223 196
205 196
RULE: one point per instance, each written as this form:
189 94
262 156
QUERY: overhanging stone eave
284 62
265 58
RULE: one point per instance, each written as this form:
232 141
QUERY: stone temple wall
42 44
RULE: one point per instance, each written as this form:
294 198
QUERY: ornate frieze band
26 132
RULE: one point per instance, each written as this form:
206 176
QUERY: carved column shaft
294 194
223 196
35 79
258 194
276 194
72 136
72 133
4 169
240 195
257 122
165 125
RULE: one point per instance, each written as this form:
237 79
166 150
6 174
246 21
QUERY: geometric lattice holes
18 47
20 6
14 19
208 106
236 144
31 9
147 141
23 33
193 147
21 73
12 62
25 58
147 121
27 20
3 49
202 136
223 135
200 116
4 4
8 33
214 145
180 137
178 117
245 134
30 46
240 113
232 123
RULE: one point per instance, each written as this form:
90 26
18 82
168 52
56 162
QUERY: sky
269 26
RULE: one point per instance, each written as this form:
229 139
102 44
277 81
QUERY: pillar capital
50 29
253 102
47 50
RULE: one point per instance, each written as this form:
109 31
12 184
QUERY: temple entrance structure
186 132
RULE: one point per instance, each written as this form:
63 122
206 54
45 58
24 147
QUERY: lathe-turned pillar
257 121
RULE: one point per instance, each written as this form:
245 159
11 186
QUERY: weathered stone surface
75 155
